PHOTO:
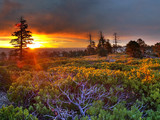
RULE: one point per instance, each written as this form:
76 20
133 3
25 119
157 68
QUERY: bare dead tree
82 99
60 112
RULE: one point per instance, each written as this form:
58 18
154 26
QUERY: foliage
142 45
102 51
120 112
120 66
5 80
78 88
108 47
12 113
103 47
154 115
91 50
157 49
133 49
30 92
23 37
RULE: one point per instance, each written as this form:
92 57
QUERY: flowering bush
77 88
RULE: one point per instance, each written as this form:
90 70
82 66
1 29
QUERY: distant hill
39 50
6 50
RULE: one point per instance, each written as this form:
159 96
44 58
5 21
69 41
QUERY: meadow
84 88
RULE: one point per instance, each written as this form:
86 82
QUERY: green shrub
5 80
154 115
119 66
120 112
13 67
31 90
11 113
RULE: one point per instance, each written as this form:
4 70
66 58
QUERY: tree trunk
21 42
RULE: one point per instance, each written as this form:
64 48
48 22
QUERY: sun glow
34 45
47 41
43 41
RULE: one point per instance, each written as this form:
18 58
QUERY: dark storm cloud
8 14
8 8
127 17
67 16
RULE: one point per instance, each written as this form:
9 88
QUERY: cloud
79 17
9 8
67 16
8 13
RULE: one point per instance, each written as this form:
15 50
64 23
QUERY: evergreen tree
101 40
91 47
23 37
101 46
108 47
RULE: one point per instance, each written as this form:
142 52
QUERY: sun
34 45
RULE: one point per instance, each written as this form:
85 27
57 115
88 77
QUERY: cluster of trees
157 49
139 49
136 49
102 49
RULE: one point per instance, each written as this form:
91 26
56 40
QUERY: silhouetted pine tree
91 49
101 46
108 47
23 37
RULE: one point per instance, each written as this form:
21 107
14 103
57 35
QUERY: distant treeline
137 49
71 53
28 54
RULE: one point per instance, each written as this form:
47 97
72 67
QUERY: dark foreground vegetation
82 88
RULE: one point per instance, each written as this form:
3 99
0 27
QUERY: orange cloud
49 41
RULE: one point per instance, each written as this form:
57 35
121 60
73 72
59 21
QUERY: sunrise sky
66 23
